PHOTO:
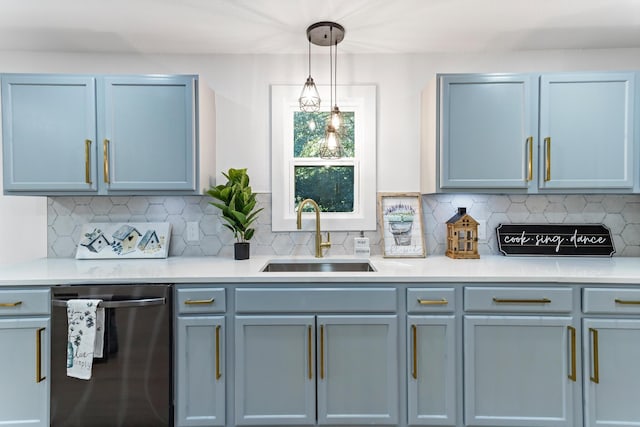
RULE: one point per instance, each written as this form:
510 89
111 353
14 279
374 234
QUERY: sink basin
325 266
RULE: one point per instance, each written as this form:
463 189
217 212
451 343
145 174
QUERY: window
344 188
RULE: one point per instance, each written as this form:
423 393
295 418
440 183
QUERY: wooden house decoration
462 236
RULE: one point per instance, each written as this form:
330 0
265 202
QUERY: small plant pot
241 250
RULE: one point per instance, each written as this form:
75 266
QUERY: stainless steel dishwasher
131 385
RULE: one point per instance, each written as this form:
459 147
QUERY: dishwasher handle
130 303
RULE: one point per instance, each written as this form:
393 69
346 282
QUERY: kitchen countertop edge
434 269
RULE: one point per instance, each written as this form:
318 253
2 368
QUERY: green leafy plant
237 203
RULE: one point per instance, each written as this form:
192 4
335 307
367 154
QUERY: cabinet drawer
614 301
431 300
317 300
525 300
17 302
200 300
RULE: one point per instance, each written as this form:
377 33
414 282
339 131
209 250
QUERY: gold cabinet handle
87 161
309 353
10 304
596 365
39 377
628 302
530 160
521 301
199 301
572 337
321 352
218 372
442 301
414 340
105 161
547 159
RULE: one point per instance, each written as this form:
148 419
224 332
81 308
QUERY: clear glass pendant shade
331 146
309 97
336 117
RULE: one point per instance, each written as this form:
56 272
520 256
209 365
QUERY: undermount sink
324 266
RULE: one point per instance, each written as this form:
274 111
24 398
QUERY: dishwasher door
132 384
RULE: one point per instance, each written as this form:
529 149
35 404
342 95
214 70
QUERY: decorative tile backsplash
66 215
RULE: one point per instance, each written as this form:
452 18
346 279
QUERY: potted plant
238 205
400 218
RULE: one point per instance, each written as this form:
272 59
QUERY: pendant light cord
330 72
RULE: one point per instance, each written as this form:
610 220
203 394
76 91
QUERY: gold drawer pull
105 161
39 377
572 334
628 302
521 301
218 372
596 364
414 335
309 353
530 160
547 159
87 161
442 301
10 304
199 301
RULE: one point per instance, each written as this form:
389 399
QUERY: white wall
241 84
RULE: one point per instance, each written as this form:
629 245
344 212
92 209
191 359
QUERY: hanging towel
85 336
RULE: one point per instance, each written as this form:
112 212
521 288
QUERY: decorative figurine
462 236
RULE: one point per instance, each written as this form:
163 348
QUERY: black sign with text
555 240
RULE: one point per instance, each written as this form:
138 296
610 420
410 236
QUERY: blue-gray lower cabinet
520 357
611 348
316 369
24 358
433 356
200 376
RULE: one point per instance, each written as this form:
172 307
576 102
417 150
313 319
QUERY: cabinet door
149 133
200 375
49 133
586 131
357 370
611 372
275 376
487 128
519 371
431 369
24 369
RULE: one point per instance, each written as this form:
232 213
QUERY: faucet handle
326 244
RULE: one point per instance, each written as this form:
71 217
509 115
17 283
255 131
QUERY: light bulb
336 117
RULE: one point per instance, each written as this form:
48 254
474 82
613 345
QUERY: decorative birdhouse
462 236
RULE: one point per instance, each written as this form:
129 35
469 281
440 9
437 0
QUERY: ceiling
279 26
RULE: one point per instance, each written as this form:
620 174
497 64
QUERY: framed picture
401 224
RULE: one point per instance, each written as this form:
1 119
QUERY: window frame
361 99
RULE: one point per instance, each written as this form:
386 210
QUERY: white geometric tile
119 213
174 205
517 212
613 204
211 245
138 205
615 222
631 234
156 213
282 244
63 225
100 205
536 204
499 203
631 212
64 247
574 203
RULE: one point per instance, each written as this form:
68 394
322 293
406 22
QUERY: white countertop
55 271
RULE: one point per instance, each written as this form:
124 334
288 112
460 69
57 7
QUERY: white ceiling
279 26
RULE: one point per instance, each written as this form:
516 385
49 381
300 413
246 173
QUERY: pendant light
330 34
309 97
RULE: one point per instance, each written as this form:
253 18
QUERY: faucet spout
319 243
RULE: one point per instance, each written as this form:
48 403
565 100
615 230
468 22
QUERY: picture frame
400 216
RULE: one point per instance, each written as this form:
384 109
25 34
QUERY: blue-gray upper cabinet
49 133
486 125
109 134
529 133
587 131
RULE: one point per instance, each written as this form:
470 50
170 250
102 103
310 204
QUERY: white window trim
360 99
